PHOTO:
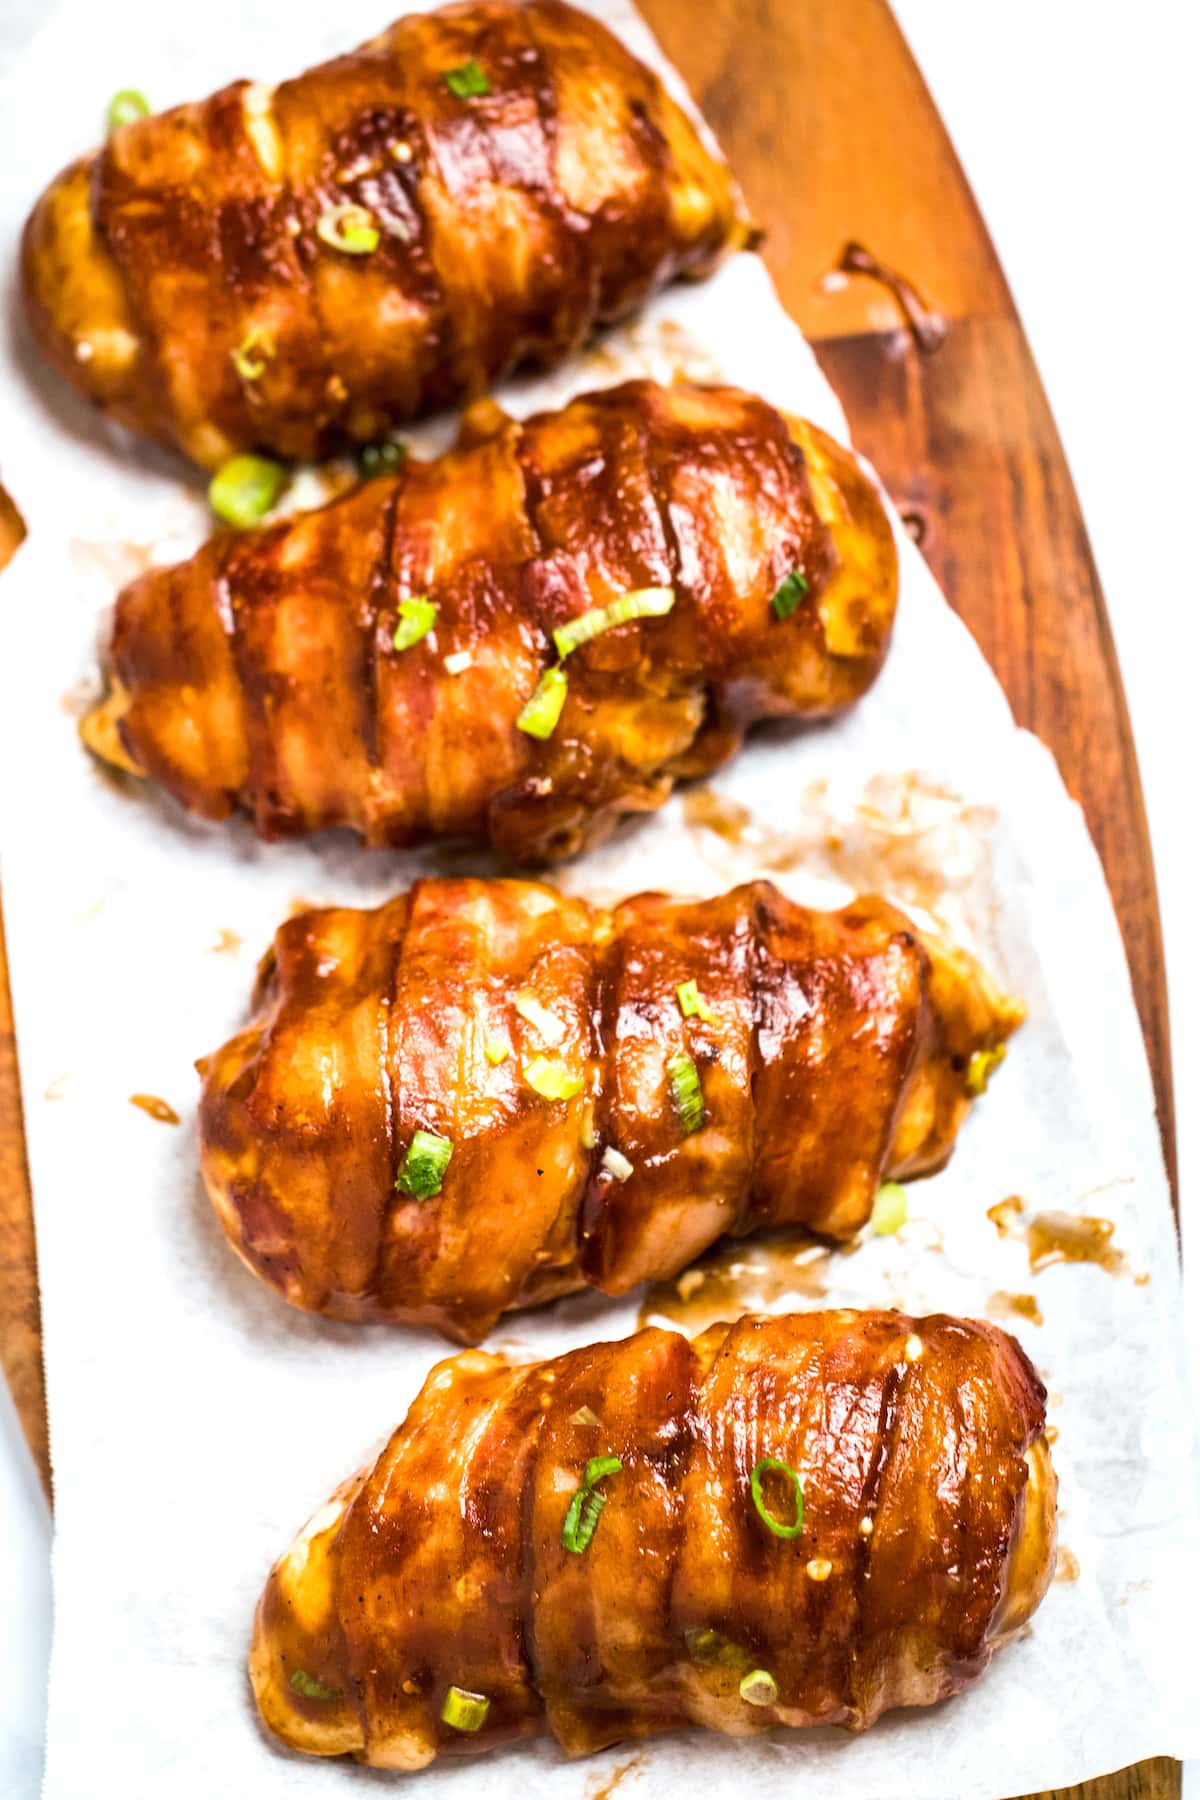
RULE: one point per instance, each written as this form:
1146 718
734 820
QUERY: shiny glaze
928 1539
262 674
511 225
837 1056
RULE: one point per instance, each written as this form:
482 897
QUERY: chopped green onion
549 1028
642 603
713 1648
758 1688
417 617
381 459
468 81
789 594
692 1003
541 712
890 1209
496 1050
312 1689
350 229
687 1094
763 1467
248 365
245 488
618 1166
587 1503
463 1710
125 107
424 1165
552 1079
981 1066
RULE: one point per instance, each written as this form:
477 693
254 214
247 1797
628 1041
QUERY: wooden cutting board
827 122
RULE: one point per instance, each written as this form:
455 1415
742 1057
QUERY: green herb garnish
245 488
303 1683
981 1068
424 1165
350 229
692 1003
543 709
789 594
468 81
687 1094
758 1688
381 459
642 603
125 107
552 1079
765 1466
586 1505
417 617
464 1710
890 1209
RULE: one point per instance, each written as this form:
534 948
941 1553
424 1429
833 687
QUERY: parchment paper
195 1420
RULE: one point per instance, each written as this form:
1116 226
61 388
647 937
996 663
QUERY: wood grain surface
836 140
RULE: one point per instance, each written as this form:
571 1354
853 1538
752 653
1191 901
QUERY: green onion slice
303 1683
890 1209
981 1067
714 1649
350 229
789 594
642 603
468 81
687 1094
125 107
417 616
424 1165
245 488
587 1503
381 459
758 1688
248 364
543 709
464 1710
552 1079
780 1527
550 1029
692 1003
618 1166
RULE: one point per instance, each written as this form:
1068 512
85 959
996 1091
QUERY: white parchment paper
195 1420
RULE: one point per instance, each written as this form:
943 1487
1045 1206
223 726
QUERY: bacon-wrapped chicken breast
294 268
485 1094
522 641
792 1521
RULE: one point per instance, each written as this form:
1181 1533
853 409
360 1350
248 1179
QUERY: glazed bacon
545 1043
265 675
296 268
433 1608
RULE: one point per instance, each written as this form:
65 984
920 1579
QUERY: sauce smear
157 1109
